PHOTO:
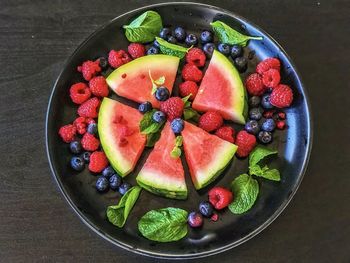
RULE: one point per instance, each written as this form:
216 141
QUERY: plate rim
215 251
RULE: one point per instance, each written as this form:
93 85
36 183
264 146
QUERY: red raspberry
90 69
210 121
268 114
196 57
245 142
267 64
191 72
79 93
281 115
271 78
89 142
281 96
118 58
99 87
67 132
280 124
172 107
136 50
220 197
80 124
254 85
188 87
214 217
226 133
98 162
89 108
90 120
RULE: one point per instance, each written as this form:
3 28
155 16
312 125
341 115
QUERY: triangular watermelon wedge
222 90
207 155
162 174
118 128
133 82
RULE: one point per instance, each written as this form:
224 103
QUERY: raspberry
196 57
220 197
281 96
79 93
245 142
268 114
281 115
188 87
214 217
89 108
89 142
67 132
136 50
80 124
280 124
267 64
191 72
98 162
210 121
90 69
118 58
226 133
271 78
99 87
172 107
254 85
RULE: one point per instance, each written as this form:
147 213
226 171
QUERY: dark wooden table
36 224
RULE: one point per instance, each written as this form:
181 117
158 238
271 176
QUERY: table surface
36 224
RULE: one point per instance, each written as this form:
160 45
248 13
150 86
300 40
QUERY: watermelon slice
162 174
118 128
132 80
207 155
222 90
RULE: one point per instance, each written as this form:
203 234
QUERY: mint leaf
191 114
152 138
154 88
258 154
152 128
265 172
164 225
187 104
144 28
228 35
185 99
148 125
172 49
176 152
160 81
178 141
118 214
156 83
245 190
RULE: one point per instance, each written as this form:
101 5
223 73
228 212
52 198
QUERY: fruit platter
178 130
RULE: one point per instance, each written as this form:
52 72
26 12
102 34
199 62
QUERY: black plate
293 145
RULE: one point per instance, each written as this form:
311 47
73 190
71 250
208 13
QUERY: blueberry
191 40
195 219
255 113
254 101
265 137
236 51
171 40
77 163
103 62
153 51
177 125
92 128
115 181
208 49
224 49
108 172
86 157
180 34
268 125
206 208
123 188
252 127
75 147
165 33
241 64
162 93
102 184
156 44
265 102
158 116
145 106
206 37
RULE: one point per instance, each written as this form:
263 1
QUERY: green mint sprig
176 151
156 83
172 49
